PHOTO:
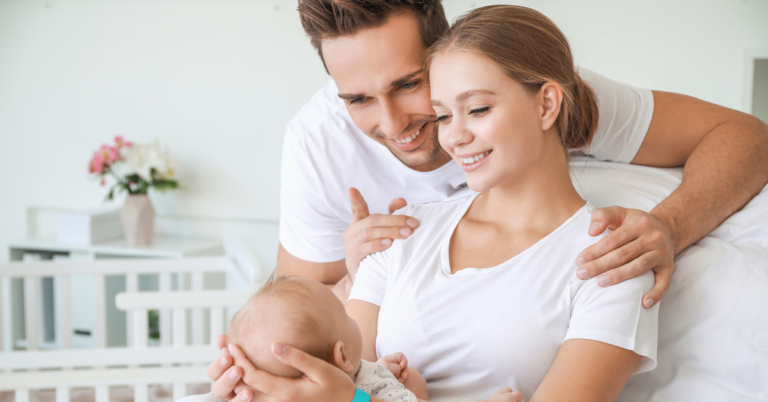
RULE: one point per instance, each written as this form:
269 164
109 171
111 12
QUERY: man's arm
724 153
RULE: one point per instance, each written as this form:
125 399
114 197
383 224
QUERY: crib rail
174 361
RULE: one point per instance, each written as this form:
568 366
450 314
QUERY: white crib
174 361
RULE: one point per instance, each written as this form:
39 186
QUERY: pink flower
96 165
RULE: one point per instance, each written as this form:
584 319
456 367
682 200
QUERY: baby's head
298 312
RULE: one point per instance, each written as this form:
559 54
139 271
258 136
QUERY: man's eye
356 101
409 85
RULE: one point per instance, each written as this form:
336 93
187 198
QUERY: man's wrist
668 219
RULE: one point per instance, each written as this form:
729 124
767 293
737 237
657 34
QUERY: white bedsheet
713 321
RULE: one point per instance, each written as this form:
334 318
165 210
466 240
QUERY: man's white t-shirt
324 154
478 330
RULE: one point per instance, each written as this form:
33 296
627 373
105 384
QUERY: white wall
217 80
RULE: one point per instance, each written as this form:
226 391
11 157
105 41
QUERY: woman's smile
472 162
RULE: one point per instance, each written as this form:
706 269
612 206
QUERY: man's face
379 73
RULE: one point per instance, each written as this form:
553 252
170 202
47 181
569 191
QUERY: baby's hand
396 363
505 395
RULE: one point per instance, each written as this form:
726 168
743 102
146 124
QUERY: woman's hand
368 234
397 364
222 373
505 395
321 382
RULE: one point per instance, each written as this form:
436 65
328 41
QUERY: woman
484 295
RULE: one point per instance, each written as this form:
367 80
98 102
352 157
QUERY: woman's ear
551 97
340 358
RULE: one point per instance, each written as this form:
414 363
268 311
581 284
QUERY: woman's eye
442 119
479 111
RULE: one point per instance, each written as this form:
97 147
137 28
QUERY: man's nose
393 121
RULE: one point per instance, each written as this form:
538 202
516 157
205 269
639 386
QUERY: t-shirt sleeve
625 115
614 315
371 279
308 227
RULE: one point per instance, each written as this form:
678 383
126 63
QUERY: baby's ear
340 358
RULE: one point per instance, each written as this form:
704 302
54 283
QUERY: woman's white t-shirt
478 330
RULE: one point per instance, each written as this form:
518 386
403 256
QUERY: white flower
141 158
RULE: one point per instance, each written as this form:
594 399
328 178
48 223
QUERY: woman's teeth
473 159
409 139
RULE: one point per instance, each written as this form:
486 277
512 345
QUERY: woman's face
489 124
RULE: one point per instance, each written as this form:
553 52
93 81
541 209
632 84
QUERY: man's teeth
409 139
473 159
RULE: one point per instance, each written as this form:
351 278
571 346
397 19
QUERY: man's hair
328 19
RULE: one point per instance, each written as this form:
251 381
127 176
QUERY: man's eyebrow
468 94
394 84
351 96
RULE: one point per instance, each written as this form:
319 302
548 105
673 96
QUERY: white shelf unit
83 299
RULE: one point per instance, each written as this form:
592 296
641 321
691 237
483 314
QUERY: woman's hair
329 19
530 49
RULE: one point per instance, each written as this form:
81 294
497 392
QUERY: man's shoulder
323 110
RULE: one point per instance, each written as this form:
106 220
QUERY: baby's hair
303 322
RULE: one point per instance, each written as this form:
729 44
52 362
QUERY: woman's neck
541 197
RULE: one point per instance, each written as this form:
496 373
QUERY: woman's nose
458 135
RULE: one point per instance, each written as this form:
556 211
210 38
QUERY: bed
713 321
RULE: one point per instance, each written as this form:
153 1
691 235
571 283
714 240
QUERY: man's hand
397 364
505 395
639 242
368 234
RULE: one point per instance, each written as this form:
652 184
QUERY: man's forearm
725 170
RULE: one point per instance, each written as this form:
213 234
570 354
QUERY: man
371 128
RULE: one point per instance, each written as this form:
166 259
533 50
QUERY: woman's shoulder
435 209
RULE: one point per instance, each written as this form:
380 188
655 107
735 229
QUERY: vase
138 217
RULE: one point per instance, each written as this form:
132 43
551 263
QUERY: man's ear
551 97
340 358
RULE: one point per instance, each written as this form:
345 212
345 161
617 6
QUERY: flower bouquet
135 168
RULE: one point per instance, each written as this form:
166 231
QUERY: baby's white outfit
376 380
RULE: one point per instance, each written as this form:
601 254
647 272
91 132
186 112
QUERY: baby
307 315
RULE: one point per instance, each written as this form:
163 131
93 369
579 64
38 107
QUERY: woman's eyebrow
473 92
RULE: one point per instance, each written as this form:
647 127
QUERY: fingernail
411 222
280 349
580 261
649 303
223 361
594 226
233 374
582 273
386 242
405 232
603 280
245 397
